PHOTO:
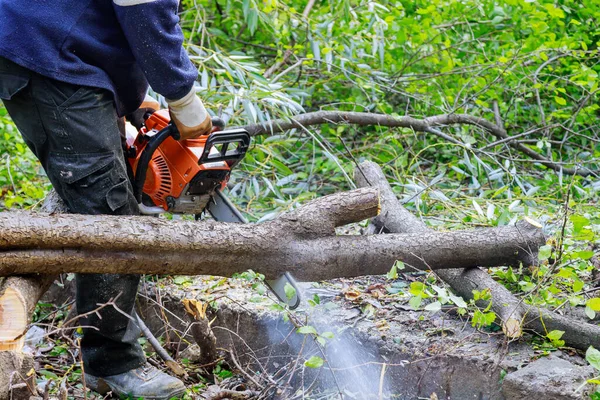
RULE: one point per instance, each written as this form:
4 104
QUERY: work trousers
73 130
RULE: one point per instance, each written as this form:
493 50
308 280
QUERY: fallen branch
395 218
302 242
420 125
162 353
512 312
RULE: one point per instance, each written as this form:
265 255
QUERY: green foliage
592 356
536 60
22 183
221 372
554 337
314 362
393 272
289 290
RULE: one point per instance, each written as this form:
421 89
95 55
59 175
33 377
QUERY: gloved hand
189 116
136 118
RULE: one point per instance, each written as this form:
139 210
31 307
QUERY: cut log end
13 320
512 328
532 222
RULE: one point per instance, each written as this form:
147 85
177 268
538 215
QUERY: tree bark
201 331
302 242
20 294
395 218
513 313
419 125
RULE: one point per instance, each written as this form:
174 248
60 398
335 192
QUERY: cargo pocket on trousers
11 84
87 181
118 196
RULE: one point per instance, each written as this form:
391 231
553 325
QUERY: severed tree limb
395 218
419 125
20 294
201 330
577 334
18 297
302 242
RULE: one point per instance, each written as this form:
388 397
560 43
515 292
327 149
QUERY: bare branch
420 125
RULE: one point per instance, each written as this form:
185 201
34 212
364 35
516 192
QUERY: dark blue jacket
119 45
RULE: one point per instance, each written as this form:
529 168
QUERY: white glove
189 116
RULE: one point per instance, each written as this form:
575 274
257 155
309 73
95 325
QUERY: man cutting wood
68 71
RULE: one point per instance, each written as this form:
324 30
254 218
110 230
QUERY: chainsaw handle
146 156
218 124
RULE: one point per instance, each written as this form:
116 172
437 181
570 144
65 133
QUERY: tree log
395 218
512 312
20 294
302 242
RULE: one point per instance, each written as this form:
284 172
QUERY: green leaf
415 302
418 289
555 335
579 222
434 307
392 273
544 252
47 374
307 329
289 290
314 362
585 254
315 300
458 301
593 357
328 335
591 314
594 303
182 280
559 100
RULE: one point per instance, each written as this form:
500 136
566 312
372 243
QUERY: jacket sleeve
155 38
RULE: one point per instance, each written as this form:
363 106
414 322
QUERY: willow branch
419 125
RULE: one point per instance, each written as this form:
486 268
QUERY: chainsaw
188 176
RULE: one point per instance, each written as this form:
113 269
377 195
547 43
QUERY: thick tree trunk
302 242
395 218
512 312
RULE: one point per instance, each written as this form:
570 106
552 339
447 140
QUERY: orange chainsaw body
177 179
